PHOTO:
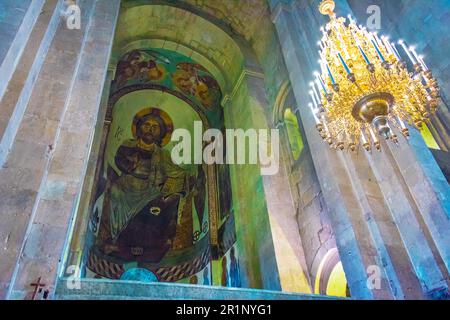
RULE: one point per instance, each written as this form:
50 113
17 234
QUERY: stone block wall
12 13
43 171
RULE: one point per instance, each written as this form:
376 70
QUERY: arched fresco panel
151 218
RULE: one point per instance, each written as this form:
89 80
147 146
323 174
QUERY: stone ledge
94 289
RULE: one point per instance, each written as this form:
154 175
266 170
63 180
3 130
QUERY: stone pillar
289 250
243 110
304 193
313 216
23 71
268 237
17 22
69 106
76 253
356 188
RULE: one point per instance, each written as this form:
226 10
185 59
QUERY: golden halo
159 114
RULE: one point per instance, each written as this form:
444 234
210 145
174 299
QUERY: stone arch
292 131
295 139
330 278
218 73
280 102
226 49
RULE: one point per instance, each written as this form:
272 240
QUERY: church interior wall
318 224
255 73
194 48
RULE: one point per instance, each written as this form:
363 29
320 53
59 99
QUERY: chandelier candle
333 82
397 54
365 91
408 53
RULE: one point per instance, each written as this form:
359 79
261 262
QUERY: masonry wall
12 14
41 176
311 213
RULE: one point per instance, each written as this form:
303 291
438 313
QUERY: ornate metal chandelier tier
365 88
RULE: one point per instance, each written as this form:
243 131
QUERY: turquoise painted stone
139 274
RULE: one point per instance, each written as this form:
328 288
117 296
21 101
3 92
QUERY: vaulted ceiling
217 30
243 16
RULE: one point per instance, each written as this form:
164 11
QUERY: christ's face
150 131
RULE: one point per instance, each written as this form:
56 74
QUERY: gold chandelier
365 89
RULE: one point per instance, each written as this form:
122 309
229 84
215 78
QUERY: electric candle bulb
418 58
387 45
423 63
315 92
364 55
327 131
324 33
330 75
313 99
414 53
320 83
378 51
314 114
400 121
355 36
347 69
405 48
351 19
320 45
365 32
377 39
373 135
322 62
373 38
425 78
395 51
343 46
363 137
322 66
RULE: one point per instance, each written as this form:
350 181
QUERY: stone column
22 65
243 110
289 250
17 23
268 237
78 237
67 155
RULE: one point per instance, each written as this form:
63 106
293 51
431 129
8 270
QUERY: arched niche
286 117
293 132
184 93
228 59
